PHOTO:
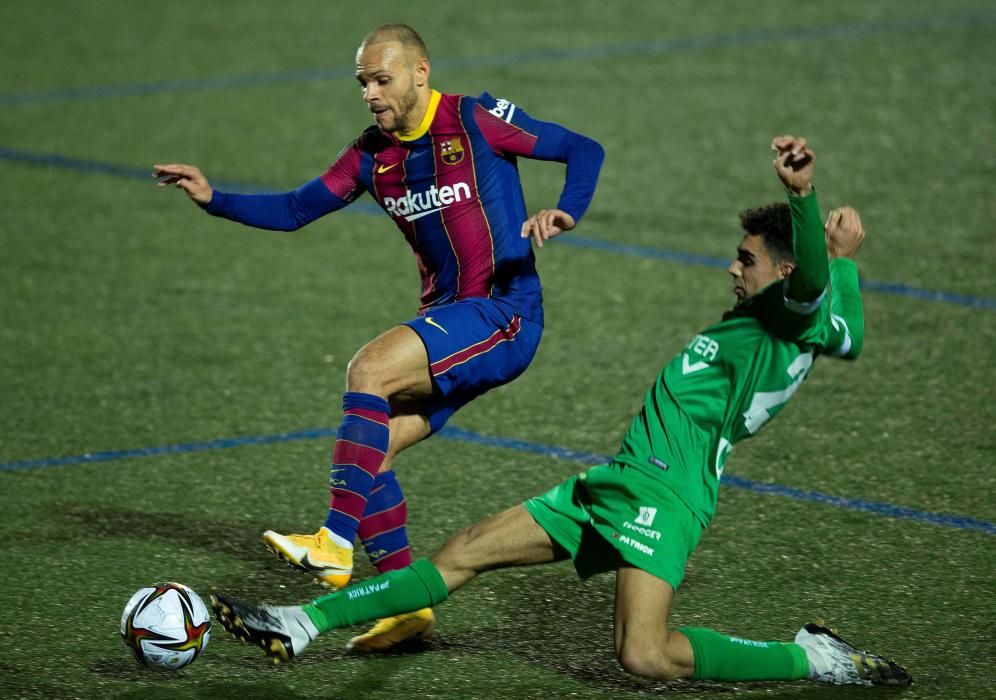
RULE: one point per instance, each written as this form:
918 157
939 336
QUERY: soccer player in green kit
643 513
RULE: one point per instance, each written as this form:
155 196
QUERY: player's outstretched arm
794 163
276 212
844 235
189 178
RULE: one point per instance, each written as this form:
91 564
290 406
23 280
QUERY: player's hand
187 177
794 163
546 224
844 233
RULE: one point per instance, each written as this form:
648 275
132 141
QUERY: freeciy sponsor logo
641 524
414 205
645 531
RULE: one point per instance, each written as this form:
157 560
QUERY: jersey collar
430 114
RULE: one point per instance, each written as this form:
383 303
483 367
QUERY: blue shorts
473 345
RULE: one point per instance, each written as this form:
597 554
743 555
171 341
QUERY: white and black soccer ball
166 625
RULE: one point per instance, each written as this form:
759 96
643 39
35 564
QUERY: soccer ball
165 625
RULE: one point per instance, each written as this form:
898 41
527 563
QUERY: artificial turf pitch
131 320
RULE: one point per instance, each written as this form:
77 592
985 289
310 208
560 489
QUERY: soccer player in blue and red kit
444 168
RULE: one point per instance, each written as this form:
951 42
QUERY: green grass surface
132 320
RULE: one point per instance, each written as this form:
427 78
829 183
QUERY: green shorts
614 514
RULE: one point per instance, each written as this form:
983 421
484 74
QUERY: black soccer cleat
282 632
834 660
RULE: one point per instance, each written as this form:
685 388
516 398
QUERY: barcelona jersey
452 187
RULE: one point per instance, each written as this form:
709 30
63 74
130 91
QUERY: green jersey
737 374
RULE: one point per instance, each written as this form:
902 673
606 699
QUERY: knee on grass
649 660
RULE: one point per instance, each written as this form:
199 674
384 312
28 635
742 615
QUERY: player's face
753 269
390 84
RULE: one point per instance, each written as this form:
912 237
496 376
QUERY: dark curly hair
774 223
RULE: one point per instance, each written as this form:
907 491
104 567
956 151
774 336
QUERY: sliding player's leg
655 533
645 646
511 538
817 654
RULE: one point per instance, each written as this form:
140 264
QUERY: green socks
405 590
722 658
717 656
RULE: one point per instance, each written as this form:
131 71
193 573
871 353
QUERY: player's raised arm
844 236
794 162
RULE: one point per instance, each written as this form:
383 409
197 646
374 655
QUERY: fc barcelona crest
451 151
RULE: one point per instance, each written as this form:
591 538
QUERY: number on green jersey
759 411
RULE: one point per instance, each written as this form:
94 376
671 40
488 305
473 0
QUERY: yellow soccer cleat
331 564
391 632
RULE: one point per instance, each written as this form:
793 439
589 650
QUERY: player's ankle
337 539
319 618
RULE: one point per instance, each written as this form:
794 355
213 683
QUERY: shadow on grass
151 684
230 539
239 538
553 625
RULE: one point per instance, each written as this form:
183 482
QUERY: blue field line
645 48
224 443
55 160
957 522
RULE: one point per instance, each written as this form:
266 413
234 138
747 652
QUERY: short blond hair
403 34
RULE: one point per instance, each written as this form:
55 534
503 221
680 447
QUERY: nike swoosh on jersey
428 319
384 168
688 368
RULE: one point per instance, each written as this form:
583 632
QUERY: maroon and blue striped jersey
452 187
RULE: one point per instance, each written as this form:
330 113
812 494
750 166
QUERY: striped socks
382 529
360 447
